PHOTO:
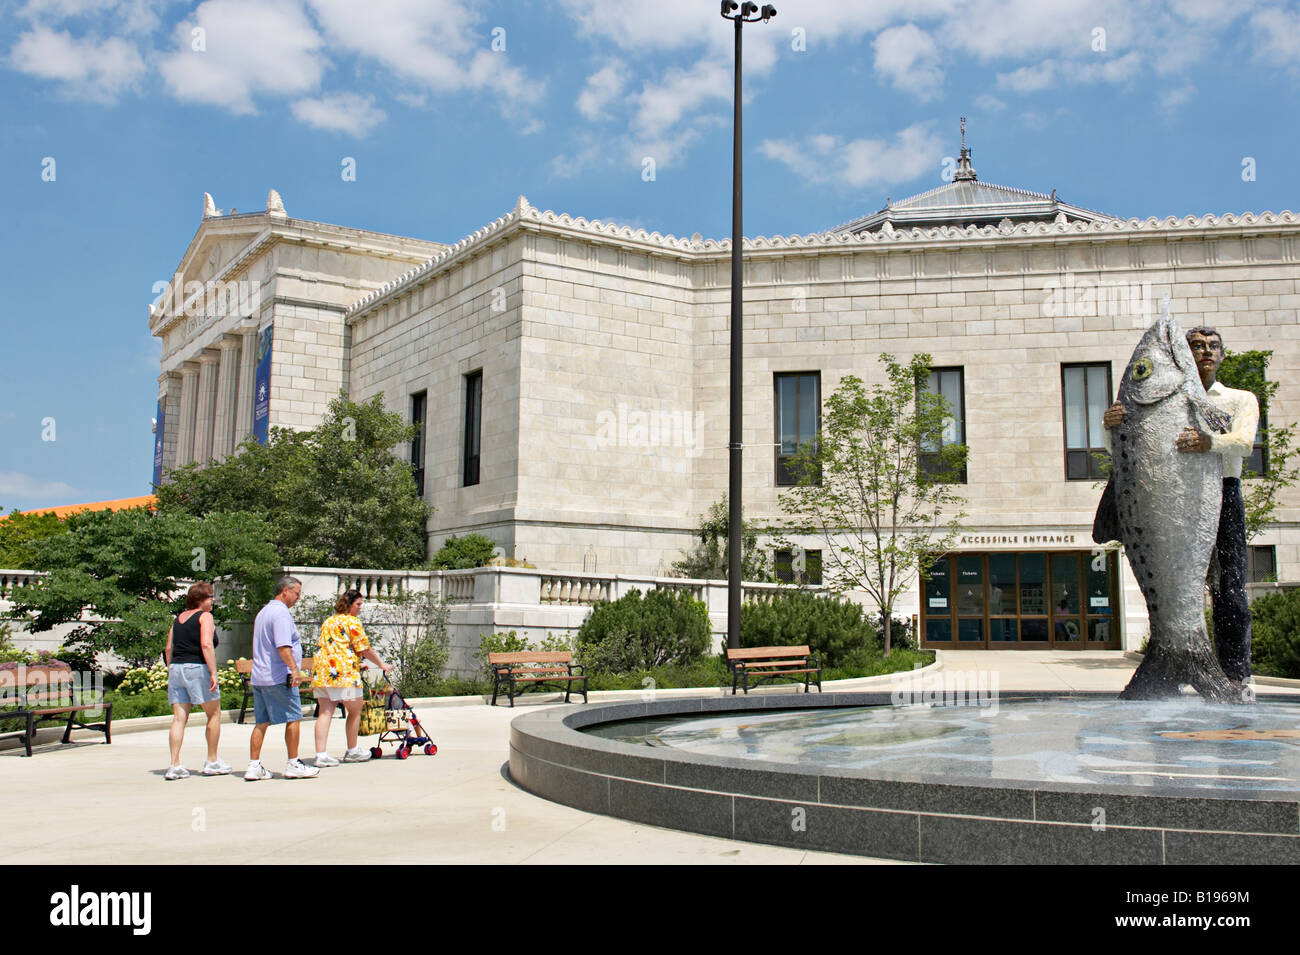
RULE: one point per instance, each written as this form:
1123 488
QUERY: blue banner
160 429
262 387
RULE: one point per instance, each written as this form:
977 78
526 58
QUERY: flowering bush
141 680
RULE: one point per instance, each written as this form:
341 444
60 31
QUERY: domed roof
967 201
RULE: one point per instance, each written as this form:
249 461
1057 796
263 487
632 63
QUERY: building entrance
1030 600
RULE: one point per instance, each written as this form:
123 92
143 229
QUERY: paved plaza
92 804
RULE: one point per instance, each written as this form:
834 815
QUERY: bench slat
758 653
550 656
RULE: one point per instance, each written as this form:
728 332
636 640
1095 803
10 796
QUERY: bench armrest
578 669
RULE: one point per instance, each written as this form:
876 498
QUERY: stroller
400 724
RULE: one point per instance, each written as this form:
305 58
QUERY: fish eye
1142 369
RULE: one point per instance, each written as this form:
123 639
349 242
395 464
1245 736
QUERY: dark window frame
783 567
781 467
927 461
473 420
1093 469
419 444
1255 574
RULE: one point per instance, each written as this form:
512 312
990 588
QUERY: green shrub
635 632
831 627
461 553
1275 639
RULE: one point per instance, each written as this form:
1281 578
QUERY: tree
708 558
19 531
861 487
123 569
335 496
1248 371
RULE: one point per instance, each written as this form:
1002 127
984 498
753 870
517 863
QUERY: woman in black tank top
192 678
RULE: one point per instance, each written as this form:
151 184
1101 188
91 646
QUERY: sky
119 114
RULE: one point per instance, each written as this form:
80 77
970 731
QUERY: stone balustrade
11 580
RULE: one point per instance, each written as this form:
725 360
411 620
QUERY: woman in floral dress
336 676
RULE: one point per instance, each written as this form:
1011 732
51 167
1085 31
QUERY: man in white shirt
1228 566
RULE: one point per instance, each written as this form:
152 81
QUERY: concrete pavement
88 803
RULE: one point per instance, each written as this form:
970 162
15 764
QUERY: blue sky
451 109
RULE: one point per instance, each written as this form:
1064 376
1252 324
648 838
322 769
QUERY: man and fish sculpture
1163 503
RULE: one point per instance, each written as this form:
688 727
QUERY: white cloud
1172 100
1029 79
861 162
602 88
909 59
1277 35
250 47
123 16
442 47
86 68
662 105
990 103
24 486
340 112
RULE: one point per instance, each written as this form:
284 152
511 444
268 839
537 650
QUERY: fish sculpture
1163 505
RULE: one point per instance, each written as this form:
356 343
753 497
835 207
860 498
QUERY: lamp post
739 14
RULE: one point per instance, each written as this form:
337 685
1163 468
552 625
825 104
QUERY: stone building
571 376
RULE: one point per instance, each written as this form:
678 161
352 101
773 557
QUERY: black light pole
748 13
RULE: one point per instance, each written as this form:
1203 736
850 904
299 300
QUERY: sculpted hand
1113 416
1189 439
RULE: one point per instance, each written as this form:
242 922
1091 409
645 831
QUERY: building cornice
695 248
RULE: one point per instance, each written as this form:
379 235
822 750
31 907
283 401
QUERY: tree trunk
885 631
1163 673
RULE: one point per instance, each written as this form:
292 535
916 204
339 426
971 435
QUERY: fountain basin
1036 777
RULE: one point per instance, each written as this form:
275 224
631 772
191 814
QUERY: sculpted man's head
1207 351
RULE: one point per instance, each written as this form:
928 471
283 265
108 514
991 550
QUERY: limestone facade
603 353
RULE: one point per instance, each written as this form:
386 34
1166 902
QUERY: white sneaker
176 772
256 771
218 768
297 769
325 759
357 755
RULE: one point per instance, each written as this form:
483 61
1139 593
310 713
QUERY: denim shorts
188 683
276 704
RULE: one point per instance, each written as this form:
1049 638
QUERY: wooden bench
245 667
536 669
55 689
770 663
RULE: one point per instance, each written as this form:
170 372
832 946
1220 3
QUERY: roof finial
965 172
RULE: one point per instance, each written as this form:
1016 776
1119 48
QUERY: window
1263 564
1085 395
473 425
798 418
1257 463
798 567
419 409
949 384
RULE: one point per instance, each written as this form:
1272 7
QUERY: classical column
247 375
189 409
223 439
205 418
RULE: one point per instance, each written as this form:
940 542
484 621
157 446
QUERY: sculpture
1164 506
